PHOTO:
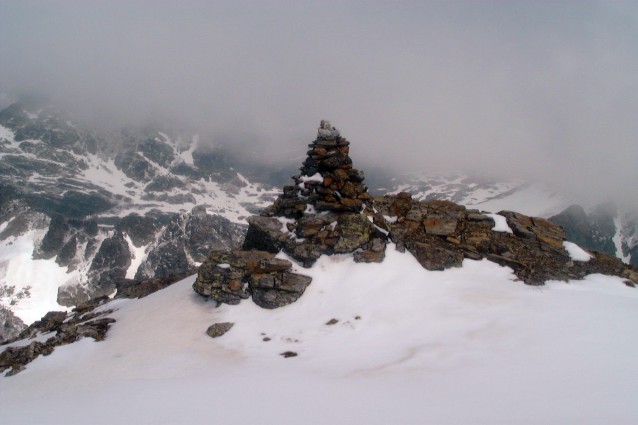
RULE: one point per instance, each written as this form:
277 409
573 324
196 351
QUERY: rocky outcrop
185 242
599 228
230 276
10 324
131 288
19 218
595 230
440 234
56 328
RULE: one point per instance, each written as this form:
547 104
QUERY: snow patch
500 223
6 134
139 254
41 278
618 241
390 218
576 253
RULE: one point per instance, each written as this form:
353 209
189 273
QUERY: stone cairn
324 212
328 181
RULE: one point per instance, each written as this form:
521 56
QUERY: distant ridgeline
329 211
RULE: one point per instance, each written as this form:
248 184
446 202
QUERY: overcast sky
516 88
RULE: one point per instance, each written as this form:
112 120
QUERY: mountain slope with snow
463 346
81 209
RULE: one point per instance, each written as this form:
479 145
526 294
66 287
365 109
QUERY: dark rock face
131 288
230 276
10 324
141 229
594 231
64 237
19 218
112 260
186 241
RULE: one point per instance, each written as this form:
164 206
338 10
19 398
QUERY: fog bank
516 89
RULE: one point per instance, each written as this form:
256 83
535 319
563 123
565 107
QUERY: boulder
279 291
230 276
218 329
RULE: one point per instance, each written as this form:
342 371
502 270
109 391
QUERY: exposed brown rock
82 323
218 329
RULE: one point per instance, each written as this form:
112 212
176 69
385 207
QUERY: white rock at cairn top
326 131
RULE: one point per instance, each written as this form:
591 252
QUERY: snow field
6 134
464 346
43 277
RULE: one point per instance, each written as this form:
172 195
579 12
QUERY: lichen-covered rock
278 291
354 230
230 276
440 234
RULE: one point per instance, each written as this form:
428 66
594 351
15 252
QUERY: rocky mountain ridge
329 211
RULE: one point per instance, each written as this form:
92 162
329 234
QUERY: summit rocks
329 211
326 211
328 180
441 234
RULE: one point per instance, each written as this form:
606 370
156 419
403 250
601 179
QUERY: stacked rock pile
327 211
328 181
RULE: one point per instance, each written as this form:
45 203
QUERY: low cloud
513 89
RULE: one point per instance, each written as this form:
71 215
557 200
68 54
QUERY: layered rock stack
328 181
325 212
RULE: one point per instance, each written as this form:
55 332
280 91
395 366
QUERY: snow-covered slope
464 346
